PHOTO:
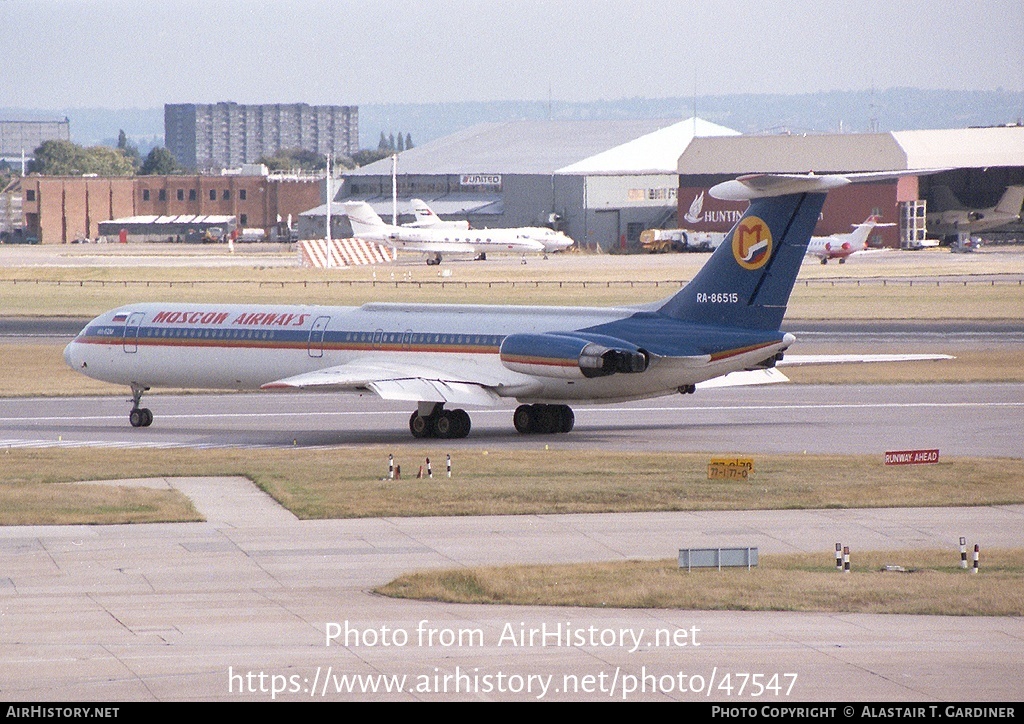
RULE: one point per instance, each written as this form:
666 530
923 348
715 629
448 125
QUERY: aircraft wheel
824 260
147 417
442 426
545 419
136 418
842 261
419 426
523 419
567 419
461 423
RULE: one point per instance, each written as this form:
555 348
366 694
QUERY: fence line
448 283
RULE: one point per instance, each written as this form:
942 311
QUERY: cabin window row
421 338
206 333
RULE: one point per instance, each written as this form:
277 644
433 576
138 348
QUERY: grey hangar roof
515 147
896 151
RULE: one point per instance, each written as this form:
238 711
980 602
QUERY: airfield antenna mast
394 189
695 104
328 209
873 119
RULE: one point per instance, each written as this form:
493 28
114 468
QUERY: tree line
64 158
388 143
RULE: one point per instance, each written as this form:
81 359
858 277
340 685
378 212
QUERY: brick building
62 209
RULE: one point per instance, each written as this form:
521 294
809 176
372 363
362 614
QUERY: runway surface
958 419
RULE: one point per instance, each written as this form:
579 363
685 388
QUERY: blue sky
139 53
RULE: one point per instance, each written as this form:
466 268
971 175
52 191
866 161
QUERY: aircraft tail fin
424 214
363 218
859 236
1012 200
940 198
748 279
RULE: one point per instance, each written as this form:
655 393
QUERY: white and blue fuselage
248 347
725 320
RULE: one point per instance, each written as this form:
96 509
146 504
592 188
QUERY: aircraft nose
72 357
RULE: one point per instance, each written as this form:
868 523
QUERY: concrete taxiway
243 607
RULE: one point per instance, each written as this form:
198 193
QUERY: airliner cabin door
316 336
131 332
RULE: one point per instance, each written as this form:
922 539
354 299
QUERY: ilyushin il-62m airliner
726 320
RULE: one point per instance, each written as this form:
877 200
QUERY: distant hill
894 109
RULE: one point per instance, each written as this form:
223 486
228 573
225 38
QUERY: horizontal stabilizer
759 186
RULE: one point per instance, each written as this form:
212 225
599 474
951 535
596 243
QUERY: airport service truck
660 241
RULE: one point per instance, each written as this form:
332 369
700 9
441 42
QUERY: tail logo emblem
752 243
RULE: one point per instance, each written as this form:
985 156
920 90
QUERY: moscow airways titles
263 319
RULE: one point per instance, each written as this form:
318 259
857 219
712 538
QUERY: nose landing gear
139 416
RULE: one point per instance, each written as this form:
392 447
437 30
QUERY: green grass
346 482
62 504
933 584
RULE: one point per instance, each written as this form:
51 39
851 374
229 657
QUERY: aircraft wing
744 378
827 359
771 376
398 382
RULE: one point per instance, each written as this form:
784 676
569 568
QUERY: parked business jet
366 224
726 320
841 246
427 219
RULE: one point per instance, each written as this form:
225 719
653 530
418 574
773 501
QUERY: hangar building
601 182
975 165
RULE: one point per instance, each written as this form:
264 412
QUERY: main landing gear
139 416
439 422
544 419
434 260
432 420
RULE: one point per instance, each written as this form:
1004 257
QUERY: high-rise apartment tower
226 135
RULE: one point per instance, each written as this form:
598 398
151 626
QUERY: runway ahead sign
911 457
730 468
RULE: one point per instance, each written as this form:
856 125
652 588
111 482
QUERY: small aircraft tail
940 198
424 214
859 236
363 218
748 279
1012 200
